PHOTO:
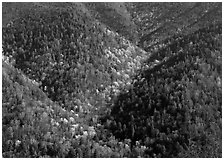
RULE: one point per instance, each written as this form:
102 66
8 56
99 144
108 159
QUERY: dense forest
111 80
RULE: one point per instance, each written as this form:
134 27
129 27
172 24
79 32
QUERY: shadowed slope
176 103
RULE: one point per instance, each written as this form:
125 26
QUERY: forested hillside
156 22
111 80
177 103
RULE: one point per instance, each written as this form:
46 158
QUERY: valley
111 80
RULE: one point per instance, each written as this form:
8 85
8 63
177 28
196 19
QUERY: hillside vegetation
94 80
176 104
157 21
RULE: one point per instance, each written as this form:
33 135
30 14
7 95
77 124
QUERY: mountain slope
72 58
27 116
176 103
115 16
35 127
158 21
75 83
70 69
